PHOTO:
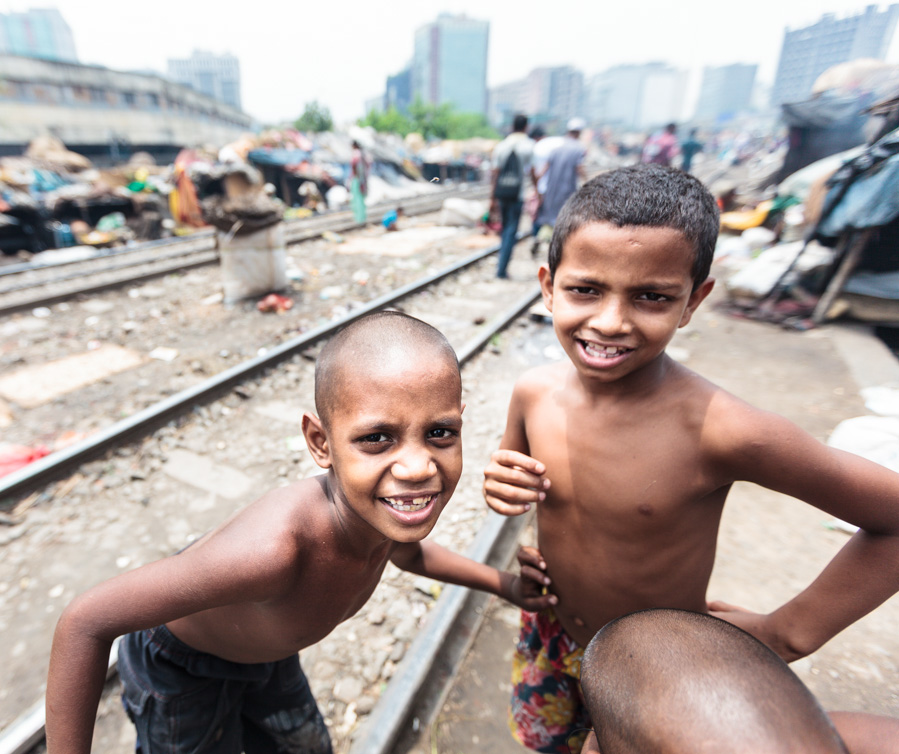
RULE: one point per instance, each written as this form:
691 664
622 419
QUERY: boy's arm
218 572
436 562
513 480
864 733
774 453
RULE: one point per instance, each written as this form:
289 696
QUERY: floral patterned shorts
547 712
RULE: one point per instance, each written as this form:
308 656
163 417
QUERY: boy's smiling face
393 445
619 295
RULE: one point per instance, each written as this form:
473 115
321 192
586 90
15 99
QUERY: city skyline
342 59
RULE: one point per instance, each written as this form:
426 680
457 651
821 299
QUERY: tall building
725 91
643 95
216 76
37 33
807 52
398 92
505 101
449 63
549 96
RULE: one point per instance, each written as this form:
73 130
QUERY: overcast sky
340 53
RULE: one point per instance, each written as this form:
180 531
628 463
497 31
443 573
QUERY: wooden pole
849 263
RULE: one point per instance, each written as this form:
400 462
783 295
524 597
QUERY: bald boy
677 682
209 661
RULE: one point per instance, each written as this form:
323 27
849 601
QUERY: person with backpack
512 161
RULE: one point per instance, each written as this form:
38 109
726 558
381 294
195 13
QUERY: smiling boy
209 663
630 456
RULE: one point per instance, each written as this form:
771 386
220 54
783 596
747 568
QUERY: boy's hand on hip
529 591
512 481
760 626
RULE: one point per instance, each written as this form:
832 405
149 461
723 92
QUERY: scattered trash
873 437
838 525
360 277
332 291
41 312
14 457
881 400
215 298
428 586
163 353
435 180
332 237
276 303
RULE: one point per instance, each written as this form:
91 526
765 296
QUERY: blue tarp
871 186
278 156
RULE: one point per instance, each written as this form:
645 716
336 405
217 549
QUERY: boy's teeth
416 504
606 351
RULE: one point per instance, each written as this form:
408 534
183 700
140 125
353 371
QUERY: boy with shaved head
209 661
678 682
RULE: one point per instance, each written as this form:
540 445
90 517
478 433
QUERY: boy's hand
759 625
512 481
529 589
591 746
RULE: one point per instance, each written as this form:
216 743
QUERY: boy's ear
546 285
696 298
316 440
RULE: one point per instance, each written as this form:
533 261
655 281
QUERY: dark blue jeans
183 701
510 212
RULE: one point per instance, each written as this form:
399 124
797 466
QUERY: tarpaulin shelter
861 212
822 126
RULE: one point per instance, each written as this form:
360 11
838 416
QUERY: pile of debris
825 242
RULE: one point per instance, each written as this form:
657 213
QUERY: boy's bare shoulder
537 380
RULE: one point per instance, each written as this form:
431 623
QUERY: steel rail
392 711
293 235
207 235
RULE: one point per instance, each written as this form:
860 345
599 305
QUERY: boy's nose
414 465
610 317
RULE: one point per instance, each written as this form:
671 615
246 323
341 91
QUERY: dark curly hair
644 195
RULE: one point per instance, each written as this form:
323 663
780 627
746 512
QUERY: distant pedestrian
358 182
511 163
689 149
661 147
564 168
542 148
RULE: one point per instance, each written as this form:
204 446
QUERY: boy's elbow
79 617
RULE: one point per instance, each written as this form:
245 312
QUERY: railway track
170 472
26 286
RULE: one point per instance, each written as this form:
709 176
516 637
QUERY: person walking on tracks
564 168
512 161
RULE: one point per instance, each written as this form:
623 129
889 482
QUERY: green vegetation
315 118
431 121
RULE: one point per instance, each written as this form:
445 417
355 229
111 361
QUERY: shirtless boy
678 682
629 456
210 660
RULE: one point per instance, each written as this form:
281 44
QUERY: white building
217 76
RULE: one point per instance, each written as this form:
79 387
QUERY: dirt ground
770 546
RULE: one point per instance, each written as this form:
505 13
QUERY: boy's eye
374 438
583 290
651 296
442 433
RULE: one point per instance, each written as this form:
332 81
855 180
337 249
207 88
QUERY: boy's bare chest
316 603
652 465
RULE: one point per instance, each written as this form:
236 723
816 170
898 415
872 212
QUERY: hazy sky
340 53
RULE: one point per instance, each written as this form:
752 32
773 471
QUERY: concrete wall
93 105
